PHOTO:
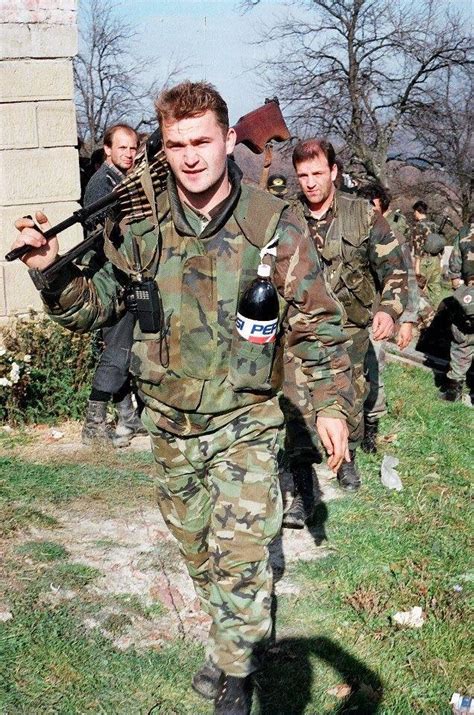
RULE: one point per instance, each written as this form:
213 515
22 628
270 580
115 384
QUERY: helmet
434 244
276 184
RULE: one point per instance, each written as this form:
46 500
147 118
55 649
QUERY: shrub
45 371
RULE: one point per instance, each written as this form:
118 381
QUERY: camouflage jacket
461 261
420 232
197 374
360 257
399 226
397 222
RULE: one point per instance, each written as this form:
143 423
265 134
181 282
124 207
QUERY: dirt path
138 558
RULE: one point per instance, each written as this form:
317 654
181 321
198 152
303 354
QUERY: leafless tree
355 70
108 74
442 133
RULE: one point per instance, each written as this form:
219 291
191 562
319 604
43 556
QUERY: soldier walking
426 253
461 270
211 397
360 256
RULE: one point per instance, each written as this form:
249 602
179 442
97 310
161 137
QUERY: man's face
316 180
196 149
377 205
123 151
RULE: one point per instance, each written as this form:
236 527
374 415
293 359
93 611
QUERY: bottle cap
264 270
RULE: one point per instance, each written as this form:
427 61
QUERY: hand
405 335
383 326
45 250
334 436
421 280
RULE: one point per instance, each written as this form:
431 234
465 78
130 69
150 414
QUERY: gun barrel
254 129
79 216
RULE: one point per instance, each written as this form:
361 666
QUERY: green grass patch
52 663
14 517
389 552
30 482
43 550
392 551
11 439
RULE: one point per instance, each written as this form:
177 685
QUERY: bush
45 371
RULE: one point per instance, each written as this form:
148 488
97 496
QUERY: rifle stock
254 129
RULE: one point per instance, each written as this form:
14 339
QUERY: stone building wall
39 166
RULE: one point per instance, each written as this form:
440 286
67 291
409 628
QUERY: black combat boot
128 424
453 392
302 506
206 680
369 443
95 428
348 475
234 696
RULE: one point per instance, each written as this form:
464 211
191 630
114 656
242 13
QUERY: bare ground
136 555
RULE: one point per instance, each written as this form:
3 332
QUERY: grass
28 482
390 551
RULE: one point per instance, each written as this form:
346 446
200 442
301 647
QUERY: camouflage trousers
302 445
430 268
375 405
301 439
220 497
461 354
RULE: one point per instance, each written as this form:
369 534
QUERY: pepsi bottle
257 315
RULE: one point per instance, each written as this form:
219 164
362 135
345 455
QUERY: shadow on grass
284 685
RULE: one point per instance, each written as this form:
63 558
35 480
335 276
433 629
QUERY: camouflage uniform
430 266
461 261
375 405
210 396
461 265
354 244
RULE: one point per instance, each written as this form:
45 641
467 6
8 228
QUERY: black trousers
112 369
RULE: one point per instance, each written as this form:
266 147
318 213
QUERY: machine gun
128 200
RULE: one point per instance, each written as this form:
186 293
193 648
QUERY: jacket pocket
198 343
250 365
147 357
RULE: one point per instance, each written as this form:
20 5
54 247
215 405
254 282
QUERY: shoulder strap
258 214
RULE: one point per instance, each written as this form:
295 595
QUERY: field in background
74 640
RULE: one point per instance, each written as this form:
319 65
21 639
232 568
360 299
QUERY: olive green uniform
375 405
210 396
360 257
461 265
430 266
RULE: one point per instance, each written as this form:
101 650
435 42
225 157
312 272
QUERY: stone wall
39 166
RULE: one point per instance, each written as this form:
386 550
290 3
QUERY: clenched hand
334 436
45 251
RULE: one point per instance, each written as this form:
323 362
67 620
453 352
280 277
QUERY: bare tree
442 134
354 70
108 74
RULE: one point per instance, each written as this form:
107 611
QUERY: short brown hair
191 99
109 134
310 148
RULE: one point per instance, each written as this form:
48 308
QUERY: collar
219 214
115 171
307 211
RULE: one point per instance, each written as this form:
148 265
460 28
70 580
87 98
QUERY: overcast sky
212 37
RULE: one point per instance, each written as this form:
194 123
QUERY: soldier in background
426 253
111 379
461 272
359 254
276 185
211 397
375 405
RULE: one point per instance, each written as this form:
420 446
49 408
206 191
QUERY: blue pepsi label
256 331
